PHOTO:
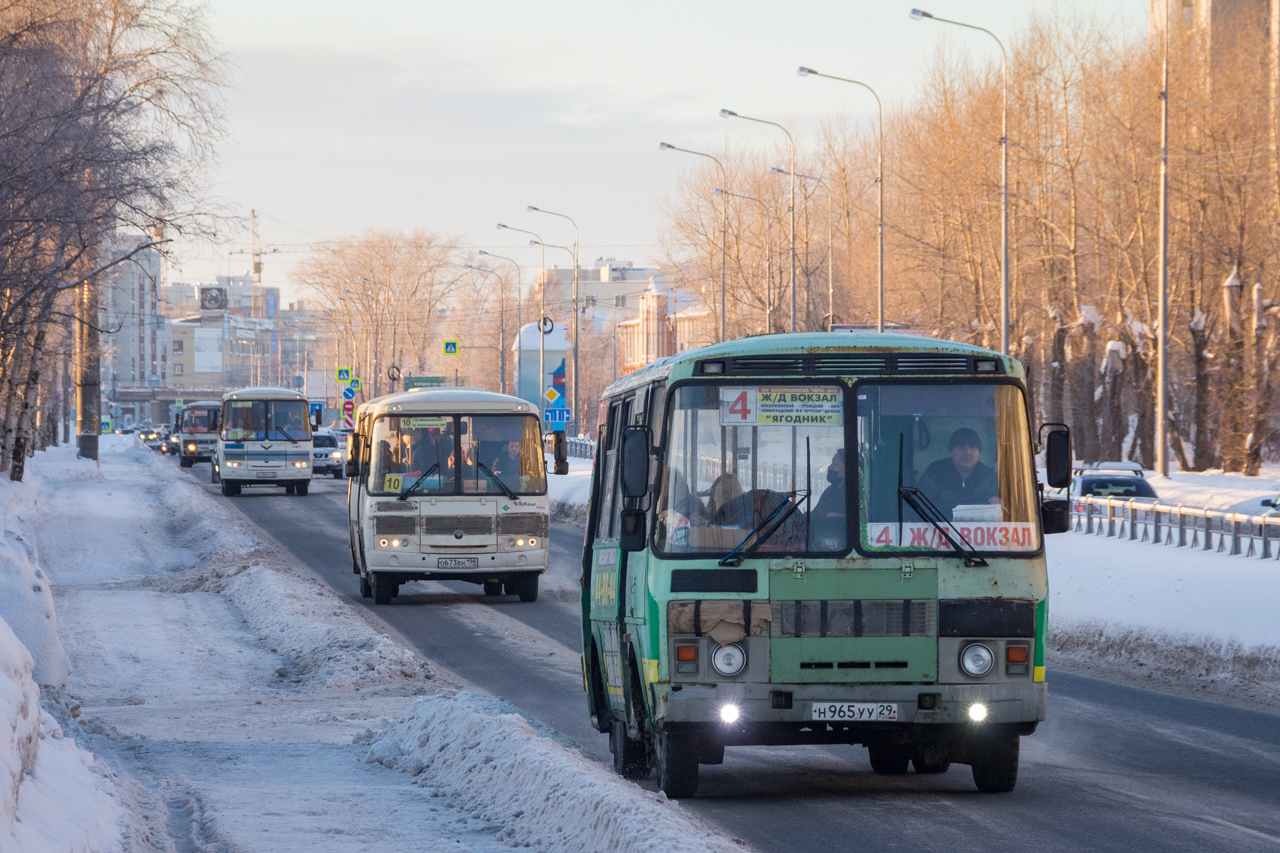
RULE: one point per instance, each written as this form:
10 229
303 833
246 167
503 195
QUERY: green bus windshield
735 454
963 448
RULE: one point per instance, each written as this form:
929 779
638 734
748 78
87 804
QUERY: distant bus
448 484
265 440
814 539
197 432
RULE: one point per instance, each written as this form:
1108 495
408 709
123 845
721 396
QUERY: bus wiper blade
404 494
492 476
740 553
929 511
285 433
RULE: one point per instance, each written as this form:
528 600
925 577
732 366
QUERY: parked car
1272 506
1121 480
329 453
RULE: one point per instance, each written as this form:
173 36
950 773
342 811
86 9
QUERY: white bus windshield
197 421
963 449
267 420
457 454
736 455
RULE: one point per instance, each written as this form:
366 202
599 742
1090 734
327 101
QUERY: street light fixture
809 72
502 322
724 224
919 15
792 167
576 320
768 260
831 287
542 313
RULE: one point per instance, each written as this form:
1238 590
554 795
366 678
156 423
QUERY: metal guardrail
577 448
1182 526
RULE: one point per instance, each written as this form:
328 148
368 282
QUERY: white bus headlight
729 713
976 660
191 447
533 541
977 712
300 465
383 542
233 464
729 660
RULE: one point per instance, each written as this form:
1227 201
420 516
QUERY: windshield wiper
492 476
404 494
285 433
740 553
929 511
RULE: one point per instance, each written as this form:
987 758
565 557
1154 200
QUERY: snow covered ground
1219 491
237 704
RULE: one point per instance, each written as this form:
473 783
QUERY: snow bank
569 493
487 756
50 799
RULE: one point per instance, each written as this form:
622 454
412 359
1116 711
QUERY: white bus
197 432
265 441
448 484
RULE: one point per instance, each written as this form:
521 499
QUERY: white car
329 455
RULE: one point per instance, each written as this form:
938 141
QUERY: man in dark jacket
961 479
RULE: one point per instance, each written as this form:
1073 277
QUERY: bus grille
858 618
523 524
447 525
395 525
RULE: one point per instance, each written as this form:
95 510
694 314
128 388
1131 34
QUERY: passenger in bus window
961 479
506 467
829 514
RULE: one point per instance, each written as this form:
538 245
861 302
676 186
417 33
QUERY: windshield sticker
922 536
393 483
241 404
240 434
424 423
781 406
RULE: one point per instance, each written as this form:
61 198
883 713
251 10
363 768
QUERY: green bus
820 538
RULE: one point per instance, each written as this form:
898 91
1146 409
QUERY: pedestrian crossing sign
450 347
343 374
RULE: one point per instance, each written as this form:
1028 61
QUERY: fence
1181 526
577 448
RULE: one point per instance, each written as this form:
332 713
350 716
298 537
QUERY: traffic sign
411 382
106 426
557 416
552 395
178 402
348 393
342 374
348 407
450 347
355 383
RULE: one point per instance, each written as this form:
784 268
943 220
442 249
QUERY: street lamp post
519 304
724 223
831 287
1162 341
809 72
768 260
542 313
576 414
918 15
792 167
502 324
542 336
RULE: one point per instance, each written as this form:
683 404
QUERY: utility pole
1162 339
88 375
255 287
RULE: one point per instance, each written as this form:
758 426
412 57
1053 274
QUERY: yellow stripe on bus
1038 676
650 671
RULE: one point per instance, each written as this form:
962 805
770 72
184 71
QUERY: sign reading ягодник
781 406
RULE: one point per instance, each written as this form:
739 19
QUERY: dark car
1120 480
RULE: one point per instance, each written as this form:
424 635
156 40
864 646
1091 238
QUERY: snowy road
1113 768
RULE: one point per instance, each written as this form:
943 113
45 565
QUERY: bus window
610 451
965 449
734 455
505 448
289 420
408 450
197 421
246 420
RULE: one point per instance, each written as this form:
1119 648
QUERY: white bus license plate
458 563
854 712
265 474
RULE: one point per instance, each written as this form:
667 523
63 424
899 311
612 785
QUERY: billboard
208 354
213 299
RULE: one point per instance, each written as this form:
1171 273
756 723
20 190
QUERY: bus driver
960 479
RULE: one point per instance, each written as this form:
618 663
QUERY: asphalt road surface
1113 768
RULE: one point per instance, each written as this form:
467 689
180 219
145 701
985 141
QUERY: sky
454 116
